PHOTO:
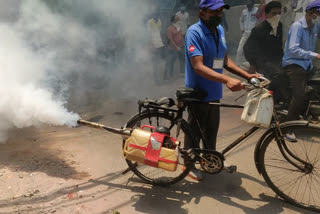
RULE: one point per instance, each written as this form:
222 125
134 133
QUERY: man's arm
230 66
294 49
242 21
206 72
188 19
260 9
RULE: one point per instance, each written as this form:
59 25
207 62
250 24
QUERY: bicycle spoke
297 186
283 168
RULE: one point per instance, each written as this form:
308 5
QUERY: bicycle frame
275 128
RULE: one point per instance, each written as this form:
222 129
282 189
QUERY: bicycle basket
258 108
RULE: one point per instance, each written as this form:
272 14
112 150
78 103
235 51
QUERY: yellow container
168 157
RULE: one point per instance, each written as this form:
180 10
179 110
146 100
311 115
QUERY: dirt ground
78 170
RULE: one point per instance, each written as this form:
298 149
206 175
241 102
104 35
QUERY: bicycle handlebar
254 83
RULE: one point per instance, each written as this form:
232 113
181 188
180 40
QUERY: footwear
291 137
194 174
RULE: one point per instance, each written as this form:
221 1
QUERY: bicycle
288 168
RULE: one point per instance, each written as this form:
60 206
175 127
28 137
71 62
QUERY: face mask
214 21
176 26
316 21
274 22
250 6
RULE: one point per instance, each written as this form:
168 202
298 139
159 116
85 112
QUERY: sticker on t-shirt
218 63
191 48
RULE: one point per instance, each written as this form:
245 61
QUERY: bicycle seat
314 81
190 94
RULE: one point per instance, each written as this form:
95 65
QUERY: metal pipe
125 133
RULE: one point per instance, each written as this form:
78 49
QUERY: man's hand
318 56
234 85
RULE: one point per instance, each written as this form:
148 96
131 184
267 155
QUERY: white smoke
24 68
52 43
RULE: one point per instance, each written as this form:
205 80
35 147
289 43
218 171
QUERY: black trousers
208 117
279 80
298 77
172 56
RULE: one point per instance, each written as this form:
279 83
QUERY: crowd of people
203 47
171 50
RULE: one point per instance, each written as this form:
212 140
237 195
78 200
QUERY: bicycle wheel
152 175
298 187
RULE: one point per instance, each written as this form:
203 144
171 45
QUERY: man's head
183 8
250 4
211 11
155 15
313 10
174 19
272 9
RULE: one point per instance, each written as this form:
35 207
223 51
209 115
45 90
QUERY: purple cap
213 4
314 5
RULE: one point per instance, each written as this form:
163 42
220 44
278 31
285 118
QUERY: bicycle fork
287 154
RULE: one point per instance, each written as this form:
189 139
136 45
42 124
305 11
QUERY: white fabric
274 22
240 57
177 26
248 19
183 21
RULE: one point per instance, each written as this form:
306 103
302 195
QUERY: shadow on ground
152 199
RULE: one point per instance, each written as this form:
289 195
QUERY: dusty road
62 170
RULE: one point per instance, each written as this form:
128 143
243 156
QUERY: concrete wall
233 17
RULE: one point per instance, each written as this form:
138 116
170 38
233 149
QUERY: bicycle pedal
231 169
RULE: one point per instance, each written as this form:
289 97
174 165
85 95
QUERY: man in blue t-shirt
205 51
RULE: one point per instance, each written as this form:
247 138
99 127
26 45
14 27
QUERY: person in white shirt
248 21
184 20
154 26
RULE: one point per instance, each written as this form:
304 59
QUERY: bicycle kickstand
128 169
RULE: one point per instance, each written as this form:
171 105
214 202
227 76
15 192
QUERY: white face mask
316 21
176 26
274 22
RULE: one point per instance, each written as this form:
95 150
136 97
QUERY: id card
218 63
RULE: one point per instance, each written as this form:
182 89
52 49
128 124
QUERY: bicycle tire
306 148
141 170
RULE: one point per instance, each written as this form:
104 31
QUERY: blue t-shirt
200 41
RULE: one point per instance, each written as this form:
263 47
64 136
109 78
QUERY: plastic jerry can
258 109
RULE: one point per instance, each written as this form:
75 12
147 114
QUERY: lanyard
216 39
